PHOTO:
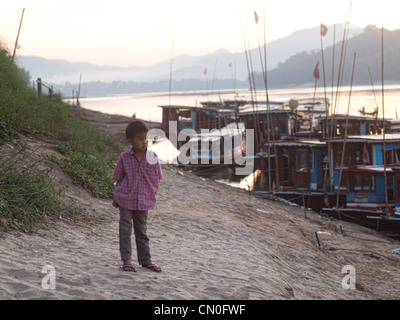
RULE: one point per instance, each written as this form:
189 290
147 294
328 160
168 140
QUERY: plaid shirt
137 181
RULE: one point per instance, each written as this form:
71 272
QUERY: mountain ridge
184 66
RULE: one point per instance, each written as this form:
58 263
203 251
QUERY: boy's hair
134 128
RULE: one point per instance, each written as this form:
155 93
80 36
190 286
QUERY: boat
368 201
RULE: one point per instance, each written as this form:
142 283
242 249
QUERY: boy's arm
118 175
119 170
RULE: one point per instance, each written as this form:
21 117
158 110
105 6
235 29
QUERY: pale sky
140 32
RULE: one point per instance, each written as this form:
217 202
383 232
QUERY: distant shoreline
111 123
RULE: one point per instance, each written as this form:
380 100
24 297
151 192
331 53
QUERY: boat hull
369 218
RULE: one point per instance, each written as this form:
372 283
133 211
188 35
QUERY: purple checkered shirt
137 181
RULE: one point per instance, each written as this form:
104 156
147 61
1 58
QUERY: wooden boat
368 201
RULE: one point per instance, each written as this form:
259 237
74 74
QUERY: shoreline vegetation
55 210
85 153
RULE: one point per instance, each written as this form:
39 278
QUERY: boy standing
137 173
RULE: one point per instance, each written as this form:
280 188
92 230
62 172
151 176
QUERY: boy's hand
115 205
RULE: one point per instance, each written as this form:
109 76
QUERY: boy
137 174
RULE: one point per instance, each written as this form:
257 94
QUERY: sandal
128 268
152 267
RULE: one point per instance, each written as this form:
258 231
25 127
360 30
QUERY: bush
26 193
91 172
27 196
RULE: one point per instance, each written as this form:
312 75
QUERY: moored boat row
346 166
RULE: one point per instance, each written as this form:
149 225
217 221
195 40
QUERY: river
146 105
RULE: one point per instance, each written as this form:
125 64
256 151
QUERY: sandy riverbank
212 241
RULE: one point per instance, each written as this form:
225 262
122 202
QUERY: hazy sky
140 32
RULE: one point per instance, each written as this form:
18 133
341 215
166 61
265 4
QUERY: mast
269 118
322 34
250 78
170 69
383 129
345 135
264 72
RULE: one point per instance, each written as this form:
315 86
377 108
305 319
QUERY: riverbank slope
213 242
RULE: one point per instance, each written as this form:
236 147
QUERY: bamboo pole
311 116
19 30
345 135
384 127
249 77
323 70
269 119
341 69
170 70
328 170
79 91
256 120
372 86
213 80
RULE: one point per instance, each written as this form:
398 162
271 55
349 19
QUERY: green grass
86 154
91 172
27 195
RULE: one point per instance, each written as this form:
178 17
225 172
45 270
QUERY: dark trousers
137 219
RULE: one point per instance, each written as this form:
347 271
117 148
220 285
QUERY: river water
146 105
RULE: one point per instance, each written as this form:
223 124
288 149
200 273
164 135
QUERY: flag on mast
324 30
255 16
316 72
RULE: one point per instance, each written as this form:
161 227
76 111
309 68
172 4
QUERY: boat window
361 183
392 156
302 165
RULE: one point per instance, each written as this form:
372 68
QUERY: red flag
324 30
365 154
230 64
316 72
205 71
255 16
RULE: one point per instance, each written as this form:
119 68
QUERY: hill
188 71
298 69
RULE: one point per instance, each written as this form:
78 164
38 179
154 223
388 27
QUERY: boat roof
263 107
350 117
389 137
232 129
205 108
299 143
377 169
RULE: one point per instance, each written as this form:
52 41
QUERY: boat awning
370 138
298 143
376 169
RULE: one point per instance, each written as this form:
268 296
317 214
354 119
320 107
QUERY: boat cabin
216 147
356 125
195 118
364 150
364 187
281 124
300 163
